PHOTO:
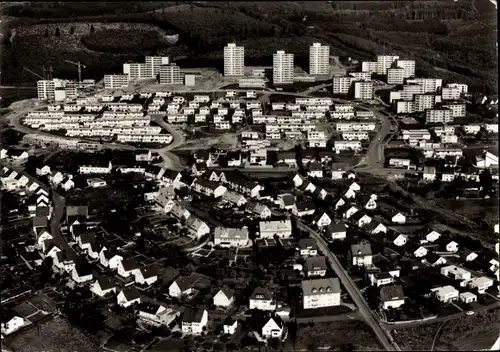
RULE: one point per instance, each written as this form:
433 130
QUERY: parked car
470 312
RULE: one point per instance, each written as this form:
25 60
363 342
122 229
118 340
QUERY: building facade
319 59
234 60
282 68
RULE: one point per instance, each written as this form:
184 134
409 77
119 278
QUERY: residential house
261 211
455 273
468 255
350 212
322 220
360 219
127 267
155 314
287 202
339 202
337 231
429 173
432 236
315 170
467 297
368 202
304 209
197 228
392 296
360 254
481 284
146 275
128 296
231 237
103 286
96 167
62 262
400 240
44 170
68 184
279 228
230 326
262 299
194 321
208 188
375 227
320 293
42 235
315 266
234 198
434 260
85 240
298 180
445 294
383 278
452 247
398 219
308 247
273 328
11 322
82 273
224 298
420 252
109 257
182 286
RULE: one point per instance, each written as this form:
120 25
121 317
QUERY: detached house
261 211
155 314
432 236
360 219
368 202
194 321
109 257
197 228
350 212
337 231
224 298
400 240
96 167
383 278
273 328
279 228
230 326
128 267
320 293
316 266
182 286
308 247
128 296
304 209
234 198
375 227
262 299
445 293
208 188
146 275
82 273
322 220
360 254
231 237
434 260
392 296
398 219
103 286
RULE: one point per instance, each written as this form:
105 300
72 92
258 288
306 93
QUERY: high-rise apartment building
438 116
341 84
463 87
45 89
429 85
363 90
136 70
384 62
115 81
408 66
319 59
457 109
153 64
170 74
395 76
234 60
361 76
409 90
424 102
282 68
369 66
450 93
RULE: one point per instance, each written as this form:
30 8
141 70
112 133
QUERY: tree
72 30
46 32
92 29
486 181
58 32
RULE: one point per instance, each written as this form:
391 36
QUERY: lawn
55 335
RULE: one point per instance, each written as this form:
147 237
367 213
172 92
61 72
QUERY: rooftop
320 286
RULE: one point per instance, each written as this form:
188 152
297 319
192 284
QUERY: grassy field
437 34
55 335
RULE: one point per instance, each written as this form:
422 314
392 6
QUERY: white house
445 293
194 321
392 296
337 231
262 211
128 267
467 297
197 228
224 298
231 237
432 236
262 299
82 273
68 184
109 259
456 273
320 293
308 247
100 167
103 286
350 212
420 252
452 247
429 173
361 254
128 296
315 266
180 287
273 328
11 323
383 278
398 219
375 227
481 284
155 314
400 240
146 275
323 220
230 326
280 228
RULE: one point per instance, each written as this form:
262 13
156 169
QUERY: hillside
456 39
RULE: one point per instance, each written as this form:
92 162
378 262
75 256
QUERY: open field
55 335
356 29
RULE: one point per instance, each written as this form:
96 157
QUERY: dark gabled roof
206 183
40 221
305 206
432 257
261 293
288 199
316 263
130 264
192 315
391 293
131 293
74 210
184 283
49 244
31 256
318 215
87 237
149 271
149 307
315 166
233 155
106 283
337 227
79 229
229 293
153 169
7 315
383 275
170 174
42 211
361 249
372 225
83 270
309 242
357 215
229 321
363 199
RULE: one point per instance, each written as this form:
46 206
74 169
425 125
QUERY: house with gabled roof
400 240
305 208
308 186
298 180
262 211
103 286
383 278
128 296
468 255
39 222
273 327
128 267
375 227
360 254
392 296
155 314
339 202
350 211
182 286
399 218
81 273
434 259
224 298
322 220
432 236
85 240
368 202
337 231
287 201
308 247
360 219
234 198
197 228
194 321
109 257
146 275
63 262
262 299
315 266
208 188
50 249
231 237
320 293
42 235
230 326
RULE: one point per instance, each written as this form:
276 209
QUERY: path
436 336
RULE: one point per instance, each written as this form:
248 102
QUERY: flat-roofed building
234 60
283 68
170 74
319 59
115 81
408 66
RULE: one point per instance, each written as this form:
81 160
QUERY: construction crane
34 73
79 70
